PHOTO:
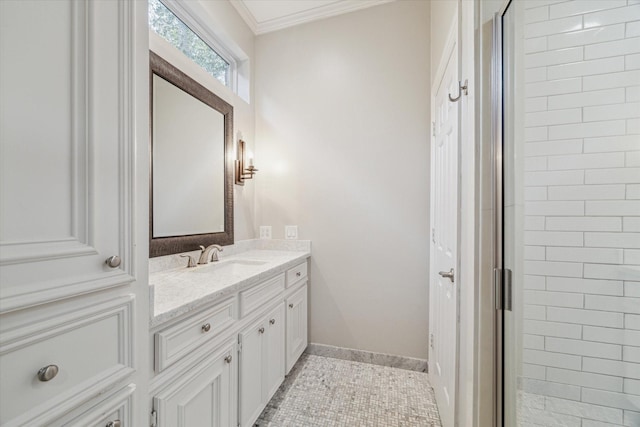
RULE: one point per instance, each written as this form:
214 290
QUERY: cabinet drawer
260 294
296 273
91 349
116 407
179 340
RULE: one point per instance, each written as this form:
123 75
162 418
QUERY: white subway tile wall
581 314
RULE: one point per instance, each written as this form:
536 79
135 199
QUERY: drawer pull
113 261
206 327
48 373
298 274
272 321
261 330
228 359
115 423
291 305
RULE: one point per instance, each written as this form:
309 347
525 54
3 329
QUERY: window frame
190 17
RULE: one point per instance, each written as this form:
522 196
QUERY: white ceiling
264 16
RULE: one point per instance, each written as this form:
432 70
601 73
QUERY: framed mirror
191 182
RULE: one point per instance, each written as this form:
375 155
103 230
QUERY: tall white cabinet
70 303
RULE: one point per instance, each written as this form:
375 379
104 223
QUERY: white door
443 304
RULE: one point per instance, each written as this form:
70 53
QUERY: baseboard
393 361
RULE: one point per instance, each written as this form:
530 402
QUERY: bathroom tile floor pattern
325 392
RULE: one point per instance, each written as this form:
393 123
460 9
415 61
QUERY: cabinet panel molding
54 249
117 406
205 396
93 348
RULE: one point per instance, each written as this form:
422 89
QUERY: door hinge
503 288
154 418
433 235
239 345
433 128
431 340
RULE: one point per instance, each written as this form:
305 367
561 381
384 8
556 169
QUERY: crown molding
245 14
315 14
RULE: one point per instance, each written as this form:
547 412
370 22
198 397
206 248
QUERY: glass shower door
569 163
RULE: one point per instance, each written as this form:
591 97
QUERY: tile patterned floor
326 392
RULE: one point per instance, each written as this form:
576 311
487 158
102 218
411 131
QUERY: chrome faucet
211 249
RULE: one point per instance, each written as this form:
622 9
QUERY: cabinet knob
272 321
298 274
113 261
114 423
48 373
261 330
291 305
206 327
228 359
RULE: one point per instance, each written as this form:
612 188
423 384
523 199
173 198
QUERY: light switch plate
290 231
265 231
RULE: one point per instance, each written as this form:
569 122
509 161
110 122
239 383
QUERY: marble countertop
176 291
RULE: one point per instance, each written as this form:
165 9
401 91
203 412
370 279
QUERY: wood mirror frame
160 246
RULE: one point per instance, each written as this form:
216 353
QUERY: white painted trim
245 14
322 12
466 399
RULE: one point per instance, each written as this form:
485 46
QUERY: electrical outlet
290 231
265 231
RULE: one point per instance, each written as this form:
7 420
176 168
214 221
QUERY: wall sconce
243 173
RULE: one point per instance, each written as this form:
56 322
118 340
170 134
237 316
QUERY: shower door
567 75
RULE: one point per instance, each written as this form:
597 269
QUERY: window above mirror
167 25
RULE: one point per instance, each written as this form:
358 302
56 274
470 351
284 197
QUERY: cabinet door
274 374
252 367
204 397
296 326
67 148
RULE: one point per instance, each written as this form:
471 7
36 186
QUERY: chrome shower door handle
448 274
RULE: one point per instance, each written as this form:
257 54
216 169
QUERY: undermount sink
230 266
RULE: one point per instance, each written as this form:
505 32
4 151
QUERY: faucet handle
214 252
191 263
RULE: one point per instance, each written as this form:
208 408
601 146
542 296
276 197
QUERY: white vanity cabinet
220 365
205 396
262 362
